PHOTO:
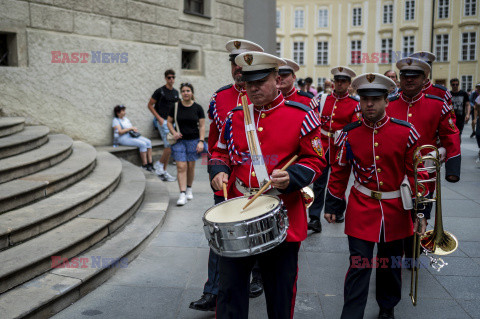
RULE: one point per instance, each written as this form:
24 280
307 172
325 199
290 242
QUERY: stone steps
27 260
55 290
58 148
11 125
33 187
26 222
29 138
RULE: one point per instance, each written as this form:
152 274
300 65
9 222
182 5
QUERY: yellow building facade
371 35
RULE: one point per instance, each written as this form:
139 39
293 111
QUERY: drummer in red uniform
380 150
284 129
223 101
336 110
287 81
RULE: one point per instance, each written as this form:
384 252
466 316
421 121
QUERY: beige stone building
370 35
67 63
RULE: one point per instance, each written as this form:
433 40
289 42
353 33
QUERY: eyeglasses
171 77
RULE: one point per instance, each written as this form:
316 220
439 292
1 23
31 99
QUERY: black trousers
279 268
319 187
388 278
211 286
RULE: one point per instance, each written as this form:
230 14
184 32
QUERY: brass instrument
436 241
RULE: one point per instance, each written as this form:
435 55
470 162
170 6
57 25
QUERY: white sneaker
157 165
166 177
182 200
477 162
189 193
159 171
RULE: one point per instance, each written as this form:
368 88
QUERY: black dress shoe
256 287
315 225
386 314
207 302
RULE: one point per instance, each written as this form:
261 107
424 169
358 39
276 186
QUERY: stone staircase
70 216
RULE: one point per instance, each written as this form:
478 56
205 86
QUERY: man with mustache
223 101
284 129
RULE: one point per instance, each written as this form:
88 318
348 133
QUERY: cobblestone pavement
171 271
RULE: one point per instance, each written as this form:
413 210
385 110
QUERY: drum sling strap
255 150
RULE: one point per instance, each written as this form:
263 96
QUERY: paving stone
457 267
326 244
472 307
461 287
177 239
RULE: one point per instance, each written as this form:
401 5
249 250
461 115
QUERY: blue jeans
163 130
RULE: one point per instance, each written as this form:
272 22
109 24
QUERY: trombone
437 241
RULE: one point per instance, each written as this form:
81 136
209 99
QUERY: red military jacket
438 90
433 118
223 101
337 112
380 154
284 129
300 97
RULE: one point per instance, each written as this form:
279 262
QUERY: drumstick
246 114
269 182
225 191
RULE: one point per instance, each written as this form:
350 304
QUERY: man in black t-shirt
461 104
162 100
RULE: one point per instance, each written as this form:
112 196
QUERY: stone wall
77 98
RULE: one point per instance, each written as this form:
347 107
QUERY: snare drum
233 233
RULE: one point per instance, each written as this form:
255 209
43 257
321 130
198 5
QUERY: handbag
170 139
134 134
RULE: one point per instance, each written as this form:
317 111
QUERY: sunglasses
454 84
171 77
185 84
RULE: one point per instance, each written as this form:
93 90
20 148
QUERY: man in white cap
223 101
429 87
336 110
287 84
380 151
283 129
432 117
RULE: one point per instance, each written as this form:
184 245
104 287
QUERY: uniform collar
378 124
427 85
412 100
291 92
339 97
239 88
270 106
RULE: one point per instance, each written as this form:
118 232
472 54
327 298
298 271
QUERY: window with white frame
388 14
468 46
441 47
355 51
357 17
323 18
299 19
470 8
409 10
322 52
466 83
408 45
278 19
278 49
321 82
386 51
299 52
443 8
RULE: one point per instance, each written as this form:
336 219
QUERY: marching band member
284 129
287 87
380 150
336 110
223 101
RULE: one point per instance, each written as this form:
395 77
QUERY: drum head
231 210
